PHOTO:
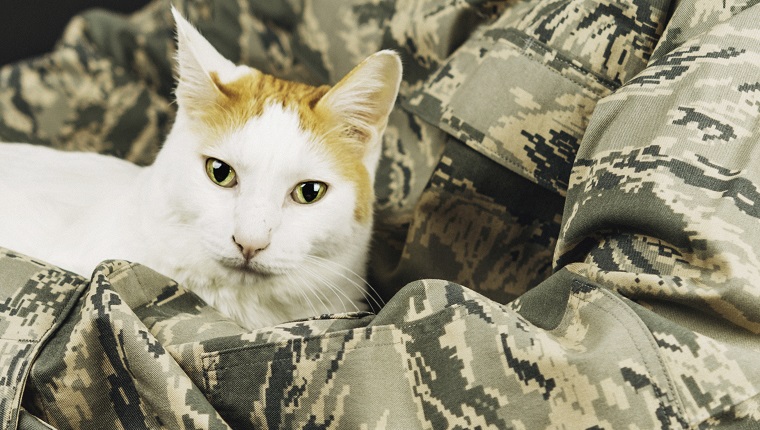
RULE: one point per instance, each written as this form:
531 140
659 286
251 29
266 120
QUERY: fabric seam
455 310
650 339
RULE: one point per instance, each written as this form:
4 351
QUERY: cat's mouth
250 267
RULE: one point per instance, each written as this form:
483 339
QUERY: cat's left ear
201 67
364 98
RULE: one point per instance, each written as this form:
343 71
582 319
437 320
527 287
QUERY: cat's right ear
201 68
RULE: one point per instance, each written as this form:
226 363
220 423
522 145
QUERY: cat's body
259 201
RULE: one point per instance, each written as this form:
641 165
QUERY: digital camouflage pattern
579 173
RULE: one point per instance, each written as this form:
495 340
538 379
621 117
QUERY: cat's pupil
310 191
220 170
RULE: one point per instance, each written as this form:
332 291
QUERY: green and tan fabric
567 234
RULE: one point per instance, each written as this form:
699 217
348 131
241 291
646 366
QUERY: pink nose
250 248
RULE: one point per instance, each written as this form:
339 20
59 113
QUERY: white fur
77 209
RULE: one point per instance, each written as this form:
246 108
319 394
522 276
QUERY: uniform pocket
515 100
306 374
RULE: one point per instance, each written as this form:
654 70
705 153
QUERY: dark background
29 28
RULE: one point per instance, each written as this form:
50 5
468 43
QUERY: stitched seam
14 414
650 340
518 166
290 359
329 335
533 43
530 42
532 57
544 180
457 316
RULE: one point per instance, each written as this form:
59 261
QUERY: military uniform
579 174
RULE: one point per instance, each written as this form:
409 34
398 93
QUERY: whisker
338 291
365 294
309 287
325 260
375 296
300 288
329 285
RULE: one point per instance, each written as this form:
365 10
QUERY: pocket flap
515 100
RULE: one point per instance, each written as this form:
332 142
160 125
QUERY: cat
259 201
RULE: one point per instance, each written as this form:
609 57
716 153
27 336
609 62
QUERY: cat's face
269 193
272 173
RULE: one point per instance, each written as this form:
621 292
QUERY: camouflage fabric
578 174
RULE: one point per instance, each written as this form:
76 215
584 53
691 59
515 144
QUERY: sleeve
663 209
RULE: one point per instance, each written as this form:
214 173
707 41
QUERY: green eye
221 173
308 192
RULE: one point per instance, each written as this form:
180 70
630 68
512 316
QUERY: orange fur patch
248 96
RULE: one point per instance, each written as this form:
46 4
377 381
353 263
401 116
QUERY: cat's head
267 171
